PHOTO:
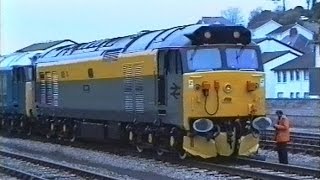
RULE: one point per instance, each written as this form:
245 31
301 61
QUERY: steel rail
51 164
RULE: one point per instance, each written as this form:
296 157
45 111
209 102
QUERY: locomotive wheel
50 131
11 127
139 149
48 135
29 130
21 127
1 123
62 133
73 134
160 152
182 154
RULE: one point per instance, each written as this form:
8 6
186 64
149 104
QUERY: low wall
304 113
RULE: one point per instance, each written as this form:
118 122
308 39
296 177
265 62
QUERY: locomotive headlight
207 35
236 34
227 88
202 125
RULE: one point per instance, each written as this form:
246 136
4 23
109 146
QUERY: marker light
236 34
207 34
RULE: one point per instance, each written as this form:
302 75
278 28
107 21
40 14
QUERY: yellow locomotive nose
217 107
224 94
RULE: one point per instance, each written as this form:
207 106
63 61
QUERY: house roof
281 29
299 42
312 26
276 40
257 24
215 20
305 61
269 56
42 46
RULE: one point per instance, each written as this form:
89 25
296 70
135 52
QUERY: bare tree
233 14
283 4
310 3
255 13
313 2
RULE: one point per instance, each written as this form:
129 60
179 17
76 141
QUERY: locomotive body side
17 97
99 91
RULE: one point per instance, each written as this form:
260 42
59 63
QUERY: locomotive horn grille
261 123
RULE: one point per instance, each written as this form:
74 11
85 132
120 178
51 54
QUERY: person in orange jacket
282 137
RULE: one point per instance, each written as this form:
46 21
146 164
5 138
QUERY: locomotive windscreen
217 34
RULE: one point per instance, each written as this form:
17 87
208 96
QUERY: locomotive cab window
173 62
203 59
238 58
19 75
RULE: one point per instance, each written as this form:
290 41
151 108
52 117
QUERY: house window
280 95
291 75
284 74
306 74
279 76
297 95
291 95
306 95
297 75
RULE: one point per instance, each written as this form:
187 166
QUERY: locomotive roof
28 55
112 48
17 59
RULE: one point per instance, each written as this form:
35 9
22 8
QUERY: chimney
293 32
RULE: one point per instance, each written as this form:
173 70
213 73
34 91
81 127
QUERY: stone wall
304 113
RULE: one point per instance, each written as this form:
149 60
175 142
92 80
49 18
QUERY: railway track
297 137
300 142
247 168
238 169
27 167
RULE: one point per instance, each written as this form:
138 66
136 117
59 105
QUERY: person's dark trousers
282 153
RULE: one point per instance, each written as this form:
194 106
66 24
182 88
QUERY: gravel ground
127 167
5 177
294 159
38 170
132 167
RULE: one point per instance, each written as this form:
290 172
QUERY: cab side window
173 59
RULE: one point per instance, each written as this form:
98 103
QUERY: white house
215 20
261 29
272 44
293 77
270 61
315 74
317 54
284 31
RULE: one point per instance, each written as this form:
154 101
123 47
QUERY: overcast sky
24 22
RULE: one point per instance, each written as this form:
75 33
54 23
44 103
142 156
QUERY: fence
304 113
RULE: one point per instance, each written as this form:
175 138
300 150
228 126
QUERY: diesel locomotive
192 90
